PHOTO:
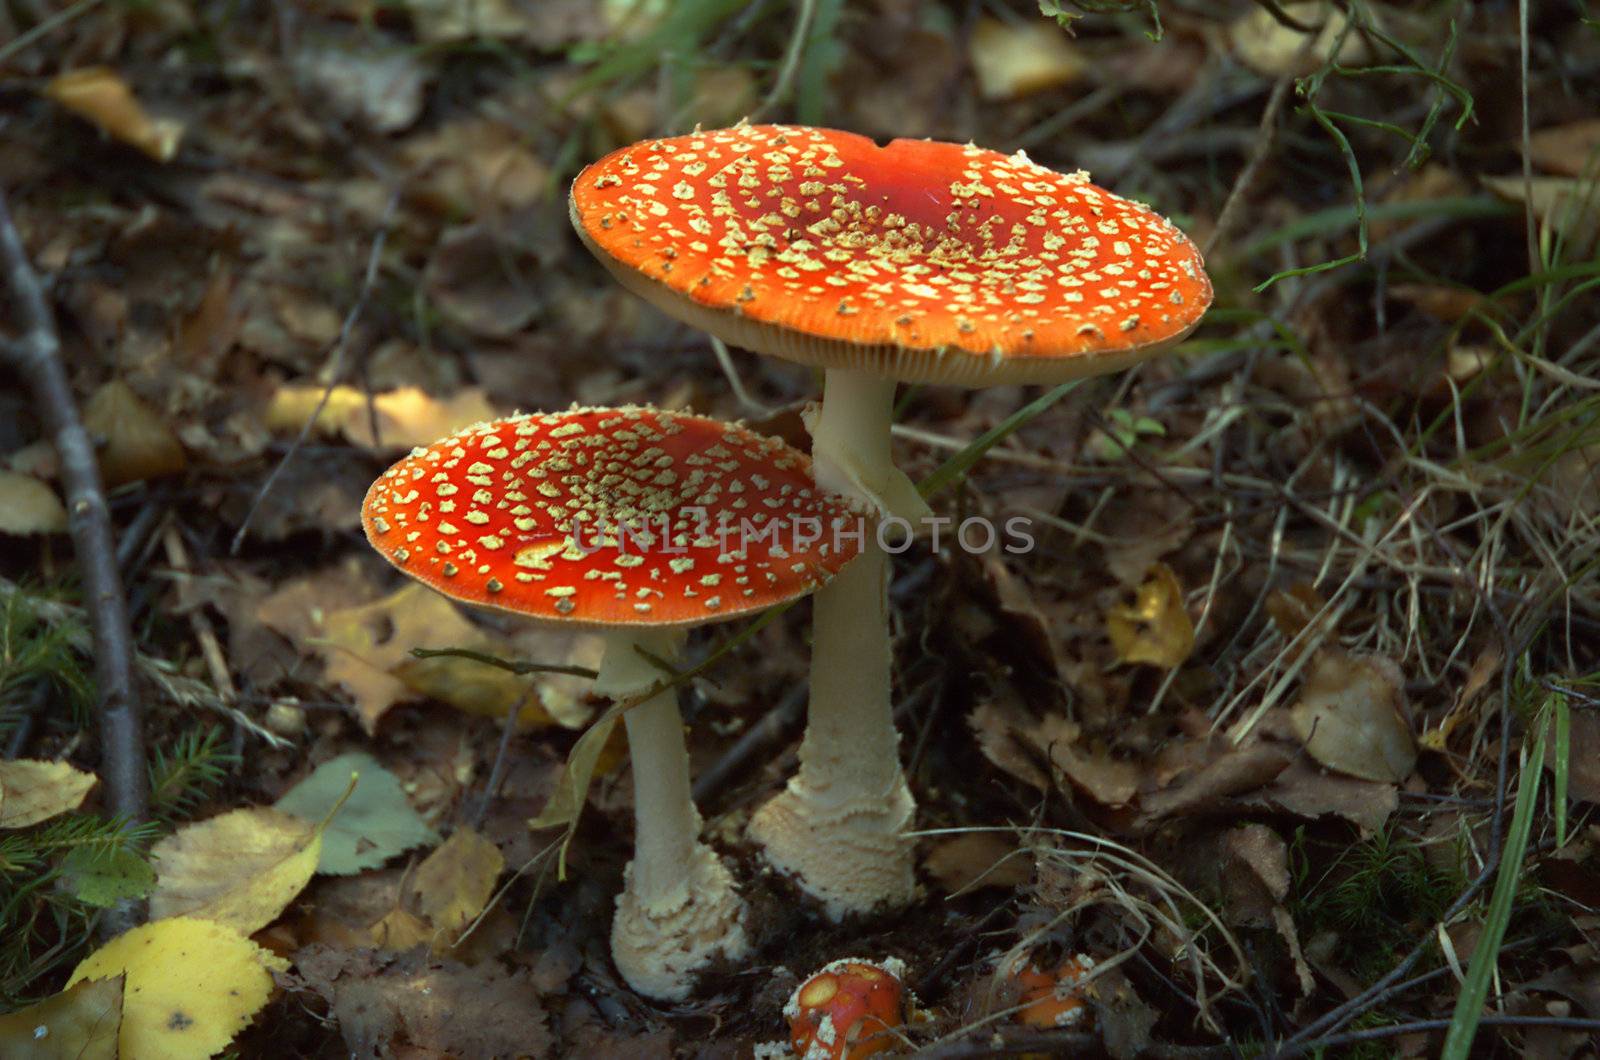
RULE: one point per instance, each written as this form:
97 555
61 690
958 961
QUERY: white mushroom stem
678 909
840 824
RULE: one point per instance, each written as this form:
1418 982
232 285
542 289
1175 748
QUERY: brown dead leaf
1023 745
1234 771
1564 205
373 81
1570 150
1012 59
1352 716
1155 628
1306 791
1293 609
481 282
28 506
454 884
1583 756
436 1005
134 442
98 95
476 167
977 860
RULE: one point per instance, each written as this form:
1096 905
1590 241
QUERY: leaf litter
1297 586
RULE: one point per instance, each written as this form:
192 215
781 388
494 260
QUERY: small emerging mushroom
630 521
849 1009
913 261
1050 999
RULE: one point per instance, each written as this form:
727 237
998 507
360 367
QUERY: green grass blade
1485 957
958 465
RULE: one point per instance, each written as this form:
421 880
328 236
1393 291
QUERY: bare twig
35 355
334 372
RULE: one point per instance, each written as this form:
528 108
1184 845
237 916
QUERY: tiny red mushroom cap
847 1010
918 260
610 517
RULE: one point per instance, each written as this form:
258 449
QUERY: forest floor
1288 718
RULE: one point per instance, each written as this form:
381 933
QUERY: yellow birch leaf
1155 628
80 1023
455 883
241 868
32 791
191 985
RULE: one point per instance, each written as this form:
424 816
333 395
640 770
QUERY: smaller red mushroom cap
611 517
1051 999
847 1010
917 260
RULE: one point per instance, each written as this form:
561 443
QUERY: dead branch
35 355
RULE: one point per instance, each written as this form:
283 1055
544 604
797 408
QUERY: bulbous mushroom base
852 858
659 945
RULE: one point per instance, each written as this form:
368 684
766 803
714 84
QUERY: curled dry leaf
1351 716
1018 59
241 869
190 986
80 1023
1155 628
1020 744
32 791
28 506
99 96
135 443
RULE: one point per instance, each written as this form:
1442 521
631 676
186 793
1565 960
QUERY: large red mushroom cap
918 260
610 517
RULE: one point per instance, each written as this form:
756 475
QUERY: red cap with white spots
919 260
610 517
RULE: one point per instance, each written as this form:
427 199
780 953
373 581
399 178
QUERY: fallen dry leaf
1564 205
1351 715
1583 755
1570 150
99 96
190 986
482 282
1210 788
134 442
28 506
1306 791
1018 59
240 869
80 1023
436 1005
406 417
1156 627
1269 47
32 791
1021 745
977 860
454 884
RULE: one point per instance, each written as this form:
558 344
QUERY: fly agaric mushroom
917 261
621 520
847 1010
1050 999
